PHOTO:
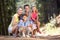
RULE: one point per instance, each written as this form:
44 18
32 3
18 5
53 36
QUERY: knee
38 23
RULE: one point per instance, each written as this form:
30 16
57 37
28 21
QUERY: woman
34 18
15 19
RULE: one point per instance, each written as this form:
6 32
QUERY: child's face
34 8
24 18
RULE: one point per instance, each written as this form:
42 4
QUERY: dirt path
38 38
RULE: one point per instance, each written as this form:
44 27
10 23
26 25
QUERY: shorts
34 26
31 22
10 29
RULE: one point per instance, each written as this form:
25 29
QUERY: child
34 18
23 25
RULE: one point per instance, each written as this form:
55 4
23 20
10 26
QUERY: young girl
34 18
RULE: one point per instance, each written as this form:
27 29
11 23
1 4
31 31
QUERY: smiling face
20 11
33 8
24 17
27 8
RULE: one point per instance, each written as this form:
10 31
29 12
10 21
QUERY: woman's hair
35 10
19 7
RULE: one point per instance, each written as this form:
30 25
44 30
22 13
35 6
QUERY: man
27 11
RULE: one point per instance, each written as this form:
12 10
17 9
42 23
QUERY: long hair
35 10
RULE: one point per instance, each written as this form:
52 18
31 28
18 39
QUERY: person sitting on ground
34 18
15 19
27 11
23 25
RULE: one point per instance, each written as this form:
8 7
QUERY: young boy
23 25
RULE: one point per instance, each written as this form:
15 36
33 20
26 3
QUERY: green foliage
40 7
23 2
7 9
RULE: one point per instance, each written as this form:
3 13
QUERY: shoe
14 35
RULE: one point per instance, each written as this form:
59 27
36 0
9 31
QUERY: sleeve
20 23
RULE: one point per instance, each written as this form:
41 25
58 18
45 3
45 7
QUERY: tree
40 6
47 9
7 9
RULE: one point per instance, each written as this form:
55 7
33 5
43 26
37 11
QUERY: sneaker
14 35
